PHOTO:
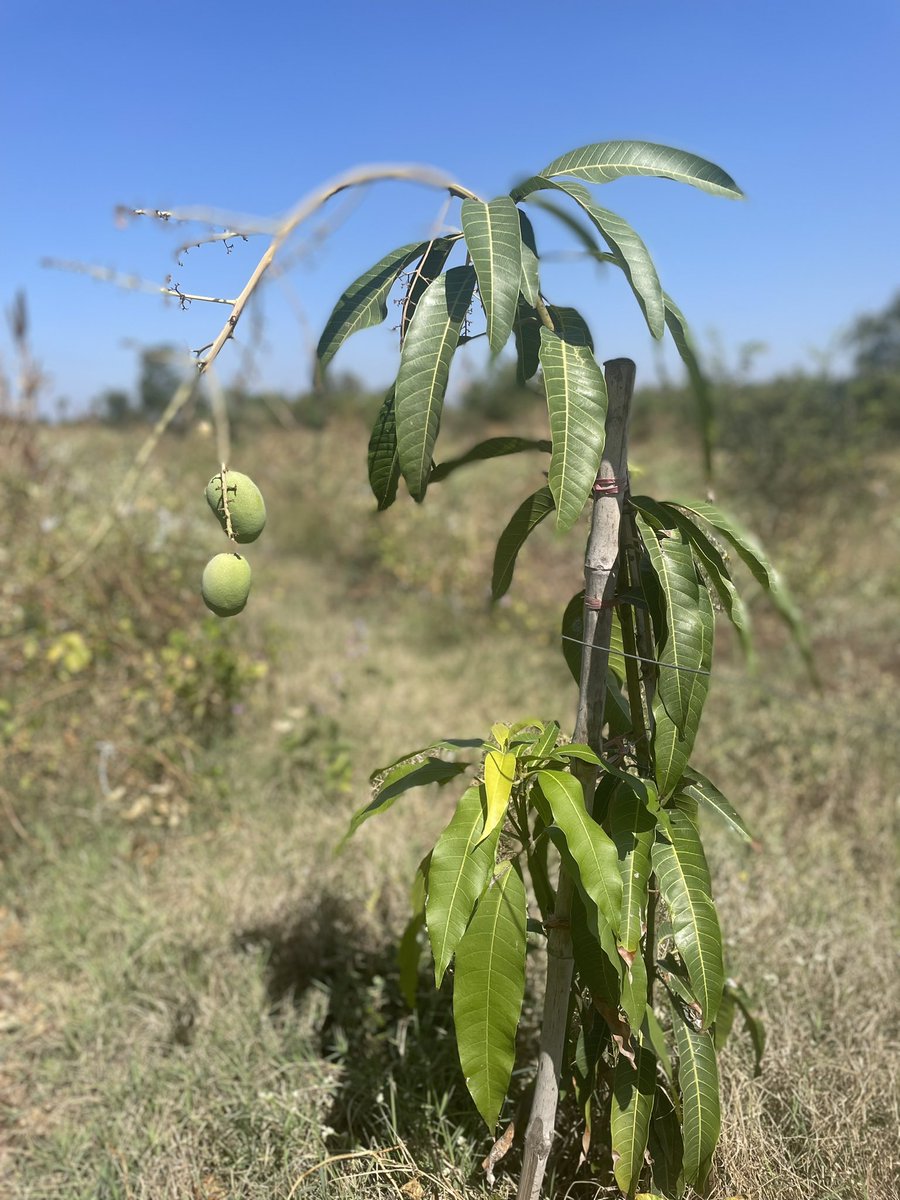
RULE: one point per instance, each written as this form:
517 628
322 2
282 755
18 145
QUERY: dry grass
210 1009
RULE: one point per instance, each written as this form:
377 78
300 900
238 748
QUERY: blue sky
245 108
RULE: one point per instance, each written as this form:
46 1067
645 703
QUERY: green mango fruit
225 585
246 507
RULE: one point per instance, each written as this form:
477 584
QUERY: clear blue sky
247 106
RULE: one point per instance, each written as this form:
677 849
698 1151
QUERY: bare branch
132 283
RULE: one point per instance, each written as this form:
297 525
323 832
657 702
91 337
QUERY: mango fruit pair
241 511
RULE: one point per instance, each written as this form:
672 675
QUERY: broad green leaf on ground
684 344
632 827
754 1025
399 780
457 876
424 369
759 565
384 462
698 1081
496 447
709 558
628 250
494 241
570 325
602 162
666 1147
591 849
488 988
529 514
499 776
363 304
671 750
428 269
576 402
530 285
681 655
684 884
634 1086
699 788
527 332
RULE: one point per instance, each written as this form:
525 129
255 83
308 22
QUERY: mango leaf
597 958
655 1035
570 325
759 565
634 1086
488 988
684 344
602 162
494 240
409 951
628 250
545 744
530 285
751 1020
576 402
666 1146
583 234
430 266
632 827
363 304
580 751
616 712
698 787
497 447
527 332
529 514
425 358
591 849
721 1030
399 780
671 749
454 744
499 776
384 462
698 1081
457 876
684 884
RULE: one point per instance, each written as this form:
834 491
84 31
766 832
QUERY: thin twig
131 283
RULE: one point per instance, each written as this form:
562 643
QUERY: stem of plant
601 563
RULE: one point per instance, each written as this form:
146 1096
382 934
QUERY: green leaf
496 447
601 972
527 331
424 369
384 462
684 884
760 567
570 325
578 750
616 712
671 749
666 1147
602 162
576 402
684 344
499 776
399 780
721 1030
591 849
363 304
409 951
494 240
698 787
459 871
628 250
527 516
751 1020
634 1086
488 988
530 285
453 744
430 266
698 1080
632 827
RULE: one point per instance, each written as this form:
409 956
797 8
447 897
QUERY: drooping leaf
698 1081
576 402
496 447
527 516
425 358
428 269
527 332
628 250
363 304
452 744
580 751
409 951
601 162
530 285
399 780
654 1033
721 1029
570 325
754 1025
589 846
597 956
458 873
634 1086
632 826
494 240
666 1146
488 988
684 884
699 788
499 776
384 462
684 344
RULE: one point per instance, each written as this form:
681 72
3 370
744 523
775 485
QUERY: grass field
199 998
